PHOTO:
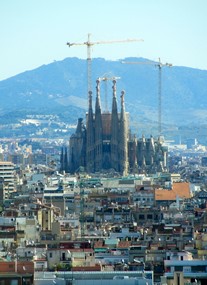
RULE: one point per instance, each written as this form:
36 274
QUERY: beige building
46 218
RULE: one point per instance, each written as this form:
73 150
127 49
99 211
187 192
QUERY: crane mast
159 64
89 44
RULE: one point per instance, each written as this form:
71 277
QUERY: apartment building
7 173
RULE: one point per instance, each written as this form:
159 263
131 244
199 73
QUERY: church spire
114 131
98 103
114 103
90 136
90 109
98 130
123 145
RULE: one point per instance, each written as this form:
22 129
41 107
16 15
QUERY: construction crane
159 64
89 44
106 79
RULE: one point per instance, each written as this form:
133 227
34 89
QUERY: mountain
60 88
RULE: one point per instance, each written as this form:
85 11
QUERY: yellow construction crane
159 64
106 79
89 44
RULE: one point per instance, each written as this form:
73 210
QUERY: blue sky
35 32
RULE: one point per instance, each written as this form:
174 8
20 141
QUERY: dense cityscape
103 142
102 206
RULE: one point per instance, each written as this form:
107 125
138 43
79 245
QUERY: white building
182 269
7 172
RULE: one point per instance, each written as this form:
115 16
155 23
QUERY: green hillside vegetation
61 88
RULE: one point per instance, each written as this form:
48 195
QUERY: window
167 269
26 281
179 268
141 217
149 217
50 254
11 266
198 268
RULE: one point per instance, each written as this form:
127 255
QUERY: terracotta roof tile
124 244
180 189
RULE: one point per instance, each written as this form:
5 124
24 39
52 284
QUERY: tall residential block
8 177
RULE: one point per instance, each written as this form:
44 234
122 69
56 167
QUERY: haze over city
34 33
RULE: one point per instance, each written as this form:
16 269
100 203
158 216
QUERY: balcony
197 275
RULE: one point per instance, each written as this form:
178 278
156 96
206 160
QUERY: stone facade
105 143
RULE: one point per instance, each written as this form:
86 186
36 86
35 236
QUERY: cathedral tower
105 144
98 140
123 138
114 131
90 137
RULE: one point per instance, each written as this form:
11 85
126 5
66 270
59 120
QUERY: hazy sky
35 32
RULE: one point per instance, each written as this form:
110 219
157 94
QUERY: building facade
105 143
7 177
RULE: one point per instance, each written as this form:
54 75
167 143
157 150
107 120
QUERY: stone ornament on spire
98 101
122 103
122 98
114 88
122 94
98 86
